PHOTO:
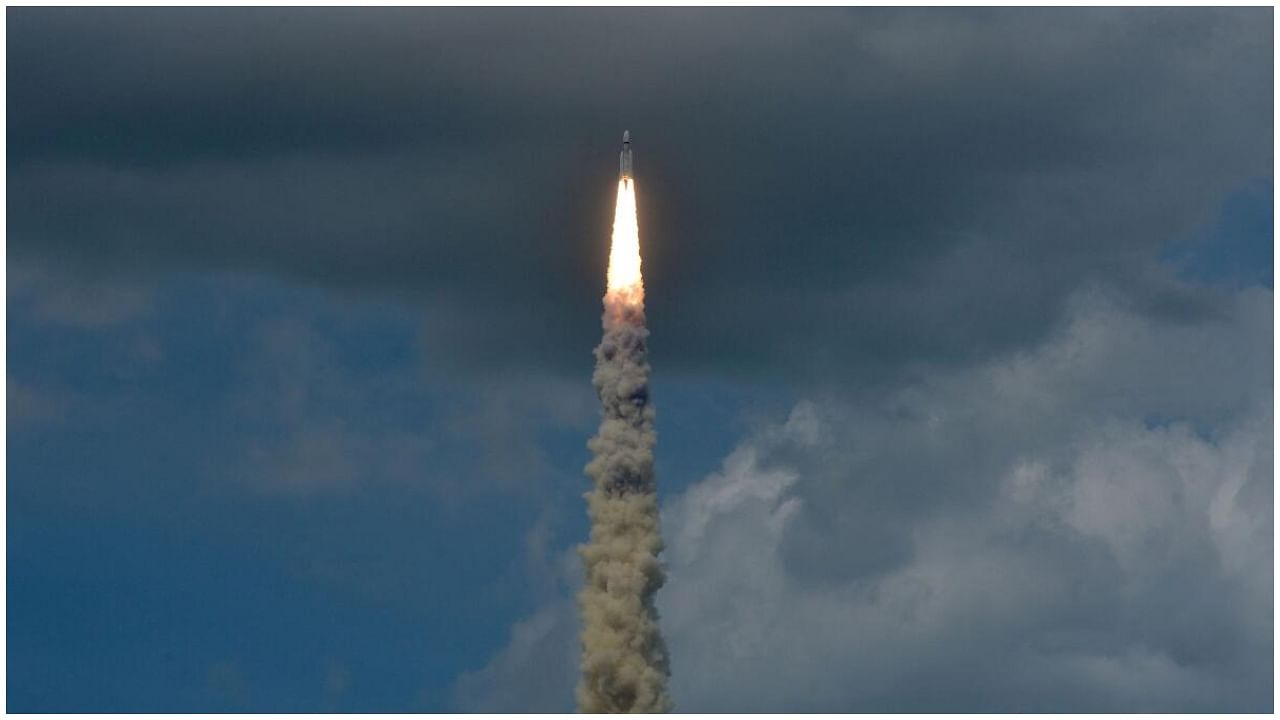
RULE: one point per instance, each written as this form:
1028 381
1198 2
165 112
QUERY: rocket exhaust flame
624 659
625 284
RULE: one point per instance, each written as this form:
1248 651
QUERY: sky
961 334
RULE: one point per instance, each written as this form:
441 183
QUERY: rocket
624 160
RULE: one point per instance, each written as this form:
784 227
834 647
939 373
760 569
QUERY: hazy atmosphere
960 325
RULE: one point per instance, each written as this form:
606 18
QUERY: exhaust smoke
624 659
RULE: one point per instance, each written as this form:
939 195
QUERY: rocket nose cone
626 136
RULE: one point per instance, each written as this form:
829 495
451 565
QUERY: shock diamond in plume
624 659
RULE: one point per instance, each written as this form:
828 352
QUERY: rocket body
624 160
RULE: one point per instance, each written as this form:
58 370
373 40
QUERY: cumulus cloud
1083 526
535 672
539 667
1136 579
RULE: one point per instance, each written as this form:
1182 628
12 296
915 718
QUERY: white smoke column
624 660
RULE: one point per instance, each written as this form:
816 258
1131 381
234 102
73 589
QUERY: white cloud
1085 526
531 673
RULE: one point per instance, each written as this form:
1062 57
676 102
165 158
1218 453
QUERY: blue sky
139 531
961 345
149 570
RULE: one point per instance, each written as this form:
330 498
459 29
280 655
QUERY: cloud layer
867 187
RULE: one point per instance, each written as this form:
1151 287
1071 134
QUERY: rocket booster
624 160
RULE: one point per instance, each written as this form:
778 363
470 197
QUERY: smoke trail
624 660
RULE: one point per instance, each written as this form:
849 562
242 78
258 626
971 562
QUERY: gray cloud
1037 475
75 300
317 427
315 418
28 406
868 185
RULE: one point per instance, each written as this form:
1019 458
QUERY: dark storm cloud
861 186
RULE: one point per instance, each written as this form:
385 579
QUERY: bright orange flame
625 282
